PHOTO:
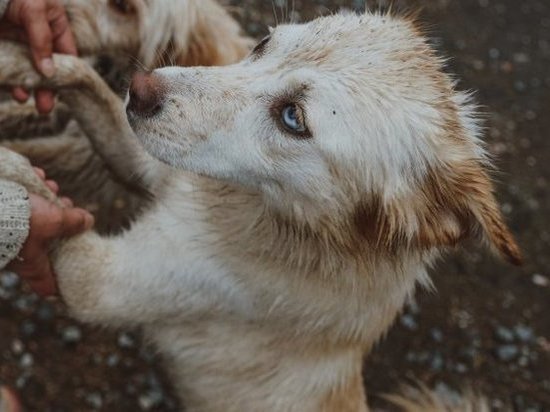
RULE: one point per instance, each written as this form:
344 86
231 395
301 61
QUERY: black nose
147 93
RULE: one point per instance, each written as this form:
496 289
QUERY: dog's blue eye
292 118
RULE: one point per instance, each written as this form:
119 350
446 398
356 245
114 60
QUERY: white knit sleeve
15 212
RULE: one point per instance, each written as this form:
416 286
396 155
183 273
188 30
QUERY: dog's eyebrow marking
260 48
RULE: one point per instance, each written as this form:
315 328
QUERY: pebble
71 334
437 362
507 353
25 303
26 361
524 333
113 360
151 399
45 312
504 334
9 280
126 341
437 335
409 322
17 347
94 400
540 280
28 328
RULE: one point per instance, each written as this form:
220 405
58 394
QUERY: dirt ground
488 325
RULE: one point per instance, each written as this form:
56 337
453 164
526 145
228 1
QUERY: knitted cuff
3 7
15 212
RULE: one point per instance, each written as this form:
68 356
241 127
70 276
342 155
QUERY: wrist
14 220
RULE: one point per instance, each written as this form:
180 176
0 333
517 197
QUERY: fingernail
40 172
89 221
47 66
67 202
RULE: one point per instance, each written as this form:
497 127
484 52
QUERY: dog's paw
16 69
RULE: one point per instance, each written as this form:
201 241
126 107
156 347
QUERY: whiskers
284 11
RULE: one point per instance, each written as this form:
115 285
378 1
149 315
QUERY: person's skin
48 222
44 26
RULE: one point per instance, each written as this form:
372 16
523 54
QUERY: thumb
75 221
35 21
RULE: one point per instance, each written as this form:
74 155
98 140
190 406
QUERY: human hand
43 24
48 222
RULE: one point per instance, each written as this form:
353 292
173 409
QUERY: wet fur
268 266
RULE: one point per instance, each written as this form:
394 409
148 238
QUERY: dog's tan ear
487 214
214 40
461 203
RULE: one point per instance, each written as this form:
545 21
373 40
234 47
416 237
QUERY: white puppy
302 195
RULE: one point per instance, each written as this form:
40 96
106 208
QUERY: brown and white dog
300 197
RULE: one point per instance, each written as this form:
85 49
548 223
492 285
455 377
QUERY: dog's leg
98 110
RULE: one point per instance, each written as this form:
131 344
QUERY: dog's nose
147 93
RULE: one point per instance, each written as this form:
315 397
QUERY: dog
300 197
116 36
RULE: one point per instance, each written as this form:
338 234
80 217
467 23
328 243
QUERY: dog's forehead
337 35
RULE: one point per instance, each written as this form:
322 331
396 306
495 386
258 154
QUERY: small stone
520 86
45 312
17 347
21 381
9 280
28 328
494 53
112 360
461 368
94 400
507 353
25 303
150 400
521 58
71 335
126 341
523 361
26 361
437 335
524 333
504 334
540 280
437 362
408 322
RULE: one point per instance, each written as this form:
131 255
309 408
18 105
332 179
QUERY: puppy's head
155 32
348 118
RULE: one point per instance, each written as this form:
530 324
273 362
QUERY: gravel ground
488 325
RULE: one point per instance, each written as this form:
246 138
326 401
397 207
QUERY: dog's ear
459 203
448 206
215 39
